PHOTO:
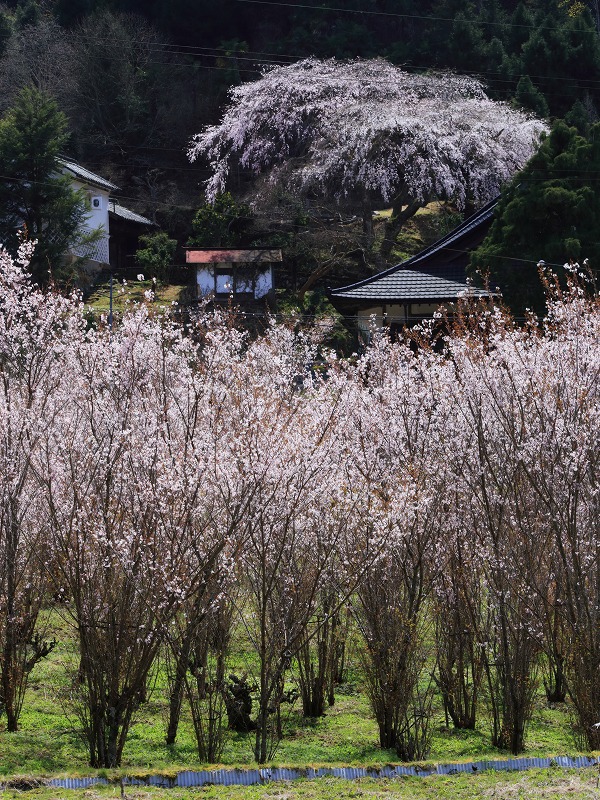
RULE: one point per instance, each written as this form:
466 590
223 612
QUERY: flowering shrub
155 482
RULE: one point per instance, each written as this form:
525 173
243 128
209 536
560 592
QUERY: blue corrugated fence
240 777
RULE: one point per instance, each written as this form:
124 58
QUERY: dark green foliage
6 29
520 29
560 56
220 224
196 22
466 43
495 54
529 97
34 200
579 117
550 212
28 13
156 255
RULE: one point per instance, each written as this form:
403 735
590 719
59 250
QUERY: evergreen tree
528 96
549 212
579 117
519 30
35 201
465 43
220 224
495 54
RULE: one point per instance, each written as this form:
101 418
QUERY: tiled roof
87 176
437 273
125 213
409 285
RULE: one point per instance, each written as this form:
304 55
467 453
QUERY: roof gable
87 176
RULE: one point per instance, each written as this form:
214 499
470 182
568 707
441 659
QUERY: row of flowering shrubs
157 483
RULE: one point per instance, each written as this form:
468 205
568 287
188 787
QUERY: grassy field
131 292
49 741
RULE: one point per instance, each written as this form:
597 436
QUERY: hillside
138 80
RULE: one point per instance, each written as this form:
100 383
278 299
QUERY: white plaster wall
369 316
424 309
94 219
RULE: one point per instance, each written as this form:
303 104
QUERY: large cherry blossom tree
369 132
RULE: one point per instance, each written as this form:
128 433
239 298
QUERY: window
224 281
236 280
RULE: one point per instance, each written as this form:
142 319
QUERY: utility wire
588 83
275 59
426 18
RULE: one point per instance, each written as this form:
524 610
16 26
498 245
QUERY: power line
426 18
178 49
269 58
589 83
275 60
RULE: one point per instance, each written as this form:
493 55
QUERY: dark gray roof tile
87 176
409 285
125 213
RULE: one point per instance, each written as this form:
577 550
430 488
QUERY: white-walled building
120 227
98 191
222 272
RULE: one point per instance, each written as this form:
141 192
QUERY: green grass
132 292
49 742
